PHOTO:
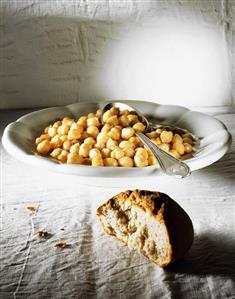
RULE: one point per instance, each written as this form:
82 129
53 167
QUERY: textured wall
172 51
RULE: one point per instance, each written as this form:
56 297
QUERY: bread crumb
62 245
30 209
41 234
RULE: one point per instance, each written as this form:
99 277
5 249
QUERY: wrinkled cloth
99 266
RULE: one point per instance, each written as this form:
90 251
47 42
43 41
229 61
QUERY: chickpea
119 127
82 121
136 141
179 147
140 161
94 152
110 162
113 120
106 116
97 161
74 134
75 148
57 124
106 128
166 136
41 138
102 138
99 113
86 161
63 129
124 121
153 135
177 139
159 131
56 152
80 128
115 133
56 142
152 160
188 148
67 145
74 126
74 141
63 138
74 158
117 153
44 147
188 140
114 111
129 152
124 112
84 135
142 152
111 144
67 121
127 133
165 147
174 153
126 162
133 119
139 127
90 140
105 152
187 135
63 156
64 152
84 150
93 131
93 121
100 145
46 129
126 144
52 132
90 115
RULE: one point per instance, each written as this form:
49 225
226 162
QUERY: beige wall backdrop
56 52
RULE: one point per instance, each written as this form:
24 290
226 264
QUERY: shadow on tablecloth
211 254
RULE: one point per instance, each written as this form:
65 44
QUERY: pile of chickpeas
108 139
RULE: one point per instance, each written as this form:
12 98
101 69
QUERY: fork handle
169 164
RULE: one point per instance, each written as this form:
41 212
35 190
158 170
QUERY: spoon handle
169 164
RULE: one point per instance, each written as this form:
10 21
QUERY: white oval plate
19 136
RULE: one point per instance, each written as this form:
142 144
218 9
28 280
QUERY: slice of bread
149 222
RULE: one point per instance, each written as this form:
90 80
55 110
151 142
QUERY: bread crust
165 210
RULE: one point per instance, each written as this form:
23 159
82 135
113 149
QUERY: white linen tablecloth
99 266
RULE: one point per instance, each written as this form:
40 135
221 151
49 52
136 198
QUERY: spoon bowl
169 164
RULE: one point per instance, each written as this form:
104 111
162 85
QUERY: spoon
169 164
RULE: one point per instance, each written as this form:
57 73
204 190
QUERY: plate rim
194 164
